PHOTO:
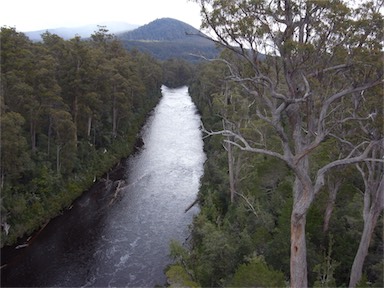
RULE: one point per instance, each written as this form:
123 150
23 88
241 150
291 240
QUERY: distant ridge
163 38
82 31
169 38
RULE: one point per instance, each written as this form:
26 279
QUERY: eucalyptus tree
16 76
319 55
373 176
370 126
14 155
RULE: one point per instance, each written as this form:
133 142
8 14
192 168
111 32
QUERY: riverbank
97 191
118 233
111 175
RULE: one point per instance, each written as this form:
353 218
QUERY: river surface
123 241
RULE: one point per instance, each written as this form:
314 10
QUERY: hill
167 38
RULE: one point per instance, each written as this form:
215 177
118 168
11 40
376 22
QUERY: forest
293 190
70 110
292 118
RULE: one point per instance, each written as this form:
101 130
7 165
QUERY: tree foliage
70 110
303 102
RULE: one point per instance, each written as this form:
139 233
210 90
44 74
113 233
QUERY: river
124 241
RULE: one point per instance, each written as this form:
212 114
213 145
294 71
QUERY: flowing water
125 242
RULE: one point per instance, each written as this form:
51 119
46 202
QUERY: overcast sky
30 15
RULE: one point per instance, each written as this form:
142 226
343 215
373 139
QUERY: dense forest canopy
70 110
293 120
294 179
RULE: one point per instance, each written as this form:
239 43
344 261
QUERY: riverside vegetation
70 110
292 193
274 123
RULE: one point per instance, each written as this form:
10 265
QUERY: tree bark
49 136
89 126
231 172
362 251
370 220
333 187
298 262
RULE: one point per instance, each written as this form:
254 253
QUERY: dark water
103 242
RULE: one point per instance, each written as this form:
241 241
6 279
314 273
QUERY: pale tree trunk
362 251
298 258
49 136
231 172
229 148
303 198
372 211
89 126
58 165
333 187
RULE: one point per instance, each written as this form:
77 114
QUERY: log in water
122 238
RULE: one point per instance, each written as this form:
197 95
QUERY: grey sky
30 15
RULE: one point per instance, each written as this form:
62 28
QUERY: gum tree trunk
298 261
373 206
362 251
303 198
333 187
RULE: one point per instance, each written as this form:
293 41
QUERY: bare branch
249 204
245 144
337 67
324 110
345 161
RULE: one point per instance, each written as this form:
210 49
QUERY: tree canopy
70 110
305 103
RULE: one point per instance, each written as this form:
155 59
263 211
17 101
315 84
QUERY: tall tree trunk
49 136
333 187
302 199
58 148
298 263
89 126
370 221
362 251
231 171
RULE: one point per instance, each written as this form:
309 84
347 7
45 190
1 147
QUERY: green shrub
178 277
256 273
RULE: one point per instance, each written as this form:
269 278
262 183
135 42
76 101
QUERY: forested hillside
70 110
293 188
164 29
169 38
